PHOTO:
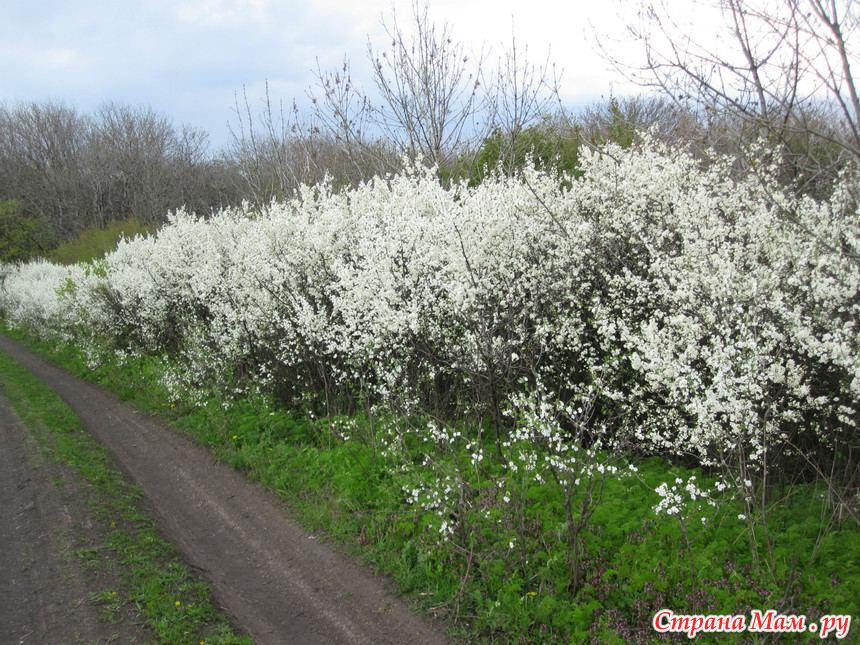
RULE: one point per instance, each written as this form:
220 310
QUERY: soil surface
49 581
272 578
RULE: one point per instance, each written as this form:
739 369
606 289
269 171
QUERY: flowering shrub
695 315
31 295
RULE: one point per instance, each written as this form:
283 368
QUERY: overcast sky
188 58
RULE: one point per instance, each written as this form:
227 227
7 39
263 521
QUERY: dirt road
46 588
269 575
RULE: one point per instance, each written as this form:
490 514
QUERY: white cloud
188 58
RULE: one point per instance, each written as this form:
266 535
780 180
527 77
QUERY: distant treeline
62 171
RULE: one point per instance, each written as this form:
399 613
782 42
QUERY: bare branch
777 66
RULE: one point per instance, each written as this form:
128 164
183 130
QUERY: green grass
96 242
634 562
157 583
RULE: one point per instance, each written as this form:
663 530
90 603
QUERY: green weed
95 242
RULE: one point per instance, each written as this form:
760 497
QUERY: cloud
189 58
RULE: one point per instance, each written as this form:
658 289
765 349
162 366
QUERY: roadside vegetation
513 582
554 372
157 586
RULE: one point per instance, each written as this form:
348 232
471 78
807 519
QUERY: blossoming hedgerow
696 314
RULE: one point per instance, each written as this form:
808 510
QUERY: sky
191 59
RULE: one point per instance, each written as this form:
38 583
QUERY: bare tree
521 95
343 110
781 67
40 164
423 105
144 166
277 149
428 99
258 150
429 89
66 171
345 115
